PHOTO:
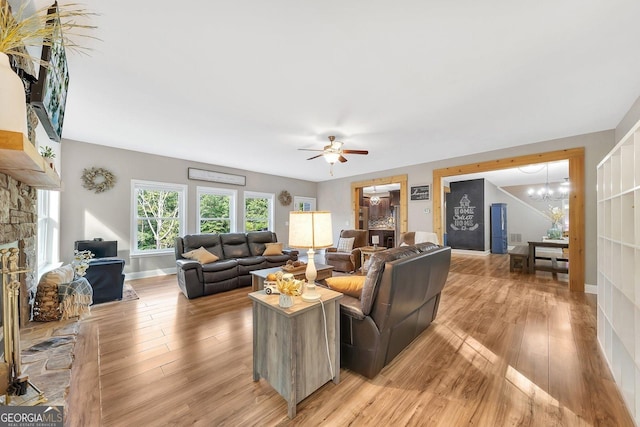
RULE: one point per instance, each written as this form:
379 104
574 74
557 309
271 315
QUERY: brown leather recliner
347 261
399 300
412 237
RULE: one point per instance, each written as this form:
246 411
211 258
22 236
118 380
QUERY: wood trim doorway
356 189
576 199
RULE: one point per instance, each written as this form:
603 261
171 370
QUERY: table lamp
375 240
310 230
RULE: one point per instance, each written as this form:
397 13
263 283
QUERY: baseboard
591 289
150 273
468 252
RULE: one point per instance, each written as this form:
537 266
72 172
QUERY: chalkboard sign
465 215
421 192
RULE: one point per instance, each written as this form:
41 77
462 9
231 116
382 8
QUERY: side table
289 348
367 251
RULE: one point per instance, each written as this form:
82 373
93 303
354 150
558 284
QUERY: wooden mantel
20 160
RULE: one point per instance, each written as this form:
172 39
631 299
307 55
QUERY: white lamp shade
331 157
375 239
310 229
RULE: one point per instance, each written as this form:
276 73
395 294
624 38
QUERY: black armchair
106 278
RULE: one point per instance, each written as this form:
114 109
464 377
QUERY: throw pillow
201 255
348 285
345 244
272 249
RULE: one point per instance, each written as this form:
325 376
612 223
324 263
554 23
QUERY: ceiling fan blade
308 149
342 159
315 157
355 151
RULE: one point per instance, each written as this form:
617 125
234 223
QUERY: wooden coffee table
258 276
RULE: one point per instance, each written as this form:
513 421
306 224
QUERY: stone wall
18 222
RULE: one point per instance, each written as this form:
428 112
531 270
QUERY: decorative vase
285 301
555 232
13 102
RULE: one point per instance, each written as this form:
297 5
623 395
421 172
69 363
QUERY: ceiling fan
334 151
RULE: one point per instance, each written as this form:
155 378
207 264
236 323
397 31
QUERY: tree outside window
216 210
258 211
159 216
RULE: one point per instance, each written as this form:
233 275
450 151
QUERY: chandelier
548 192
374 199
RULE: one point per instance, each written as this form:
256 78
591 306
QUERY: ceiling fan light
331 157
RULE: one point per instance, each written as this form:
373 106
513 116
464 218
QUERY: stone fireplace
18 223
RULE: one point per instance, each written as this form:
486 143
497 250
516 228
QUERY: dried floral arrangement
287 285
556 214
80 262
19 30
98 179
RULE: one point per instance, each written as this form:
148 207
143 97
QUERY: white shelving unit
618 256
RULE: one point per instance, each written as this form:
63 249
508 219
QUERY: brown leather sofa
239 254
347 261
399 300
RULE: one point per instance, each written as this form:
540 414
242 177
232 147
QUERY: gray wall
628 121
85 215
522 218
335 195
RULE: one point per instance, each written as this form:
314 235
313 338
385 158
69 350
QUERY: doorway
357 197
575 157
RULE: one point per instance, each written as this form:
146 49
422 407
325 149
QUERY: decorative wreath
98 179
285 198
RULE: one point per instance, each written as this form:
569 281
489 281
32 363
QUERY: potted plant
47 153
17 32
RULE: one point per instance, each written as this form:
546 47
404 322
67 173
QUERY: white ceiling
247 83
380 189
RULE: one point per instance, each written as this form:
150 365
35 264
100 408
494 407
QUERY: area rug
128 293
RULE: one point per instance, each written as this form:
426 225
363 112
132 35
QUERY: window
258 211
158 216
48 228
216 210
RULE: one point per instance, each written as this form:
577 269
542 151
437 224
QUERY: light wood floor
506 349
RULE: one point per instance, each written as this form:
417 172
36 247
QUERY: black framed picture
421 192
